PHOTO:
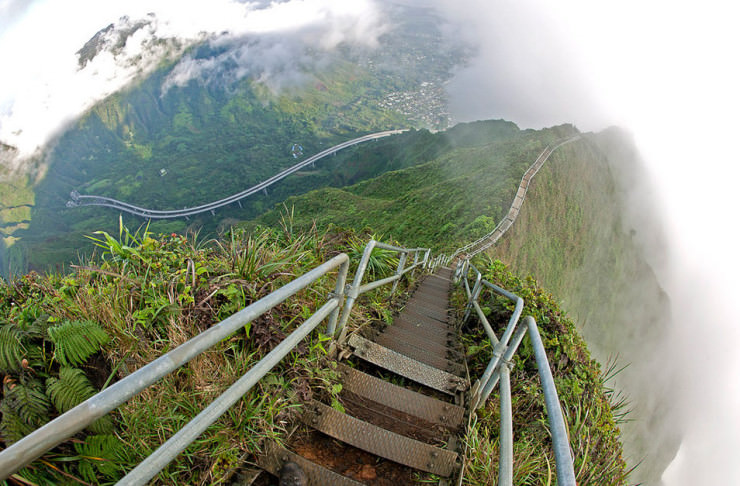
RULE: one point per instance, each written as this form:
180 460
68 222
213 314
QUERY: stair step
423 312
431 300
434 343
379 441
407 367
401 399
421 324
431 357
275 457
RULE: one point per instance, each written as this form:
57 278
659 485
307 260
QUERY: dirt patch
352 462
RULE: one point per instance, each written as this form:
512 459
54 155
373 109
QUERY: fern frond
12 427
70 389
99 454
75 341
29 401
24 408
11 348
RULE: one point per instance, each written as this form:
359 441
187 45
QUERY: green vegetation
215 137
592 411
66 336
466 185
577 237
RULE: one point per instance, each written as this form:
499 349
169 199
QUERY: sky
665 71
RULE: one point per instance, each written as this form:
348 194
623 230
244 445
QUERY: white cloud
666 71
42 87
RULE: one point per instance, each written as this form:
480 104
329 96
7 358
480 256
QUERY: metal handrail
60 429
357 288
498 372
489 239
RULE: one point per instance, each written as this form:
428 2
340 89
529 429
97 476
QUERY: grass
151 293
592 412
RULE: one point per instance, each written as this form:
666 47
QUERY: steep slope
577 235
454 197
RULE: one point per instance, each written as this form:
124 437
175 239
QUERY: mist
48 86
664 72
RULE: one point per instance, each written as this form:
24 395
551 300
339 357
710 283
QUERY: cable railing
34 445
498 372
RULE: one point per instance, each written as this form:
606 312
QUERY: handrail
498 372
357 288
58 430
79 200
489 239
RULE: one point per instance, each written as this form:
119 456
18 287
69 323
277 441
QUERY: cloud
664 71
44 86
280 46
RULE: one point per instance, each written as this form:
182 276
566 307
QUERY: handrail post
399 270
338 294
352 292
506 434
473 296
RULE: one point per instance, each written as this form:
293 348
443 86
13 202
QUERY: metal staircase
421 346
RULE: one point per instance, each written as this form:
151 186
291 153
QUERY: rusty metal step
274 457
379 441
407 367
398 398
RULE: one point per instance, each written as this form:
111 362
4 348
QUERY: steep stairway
403 394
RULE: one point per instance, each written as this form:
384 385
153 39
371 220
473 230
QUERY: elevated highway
79 200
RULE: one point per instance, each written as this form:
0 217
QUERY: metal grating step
275 457
419 313
401 399
379 441
424 310
435 344
426 356
410 368
420 325
431 298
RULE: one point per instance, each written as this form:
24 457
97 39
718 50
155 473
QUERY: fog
44 86
665 71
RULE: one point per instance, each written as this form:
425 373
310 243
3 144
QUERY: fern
75 341
25 407
99 454
69 390
11 348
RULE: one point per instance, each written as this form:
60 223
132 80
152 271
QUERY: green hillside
65 336
577 236
167 146
453 197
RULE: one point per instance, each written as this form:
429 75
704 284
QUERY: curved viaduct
79 200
